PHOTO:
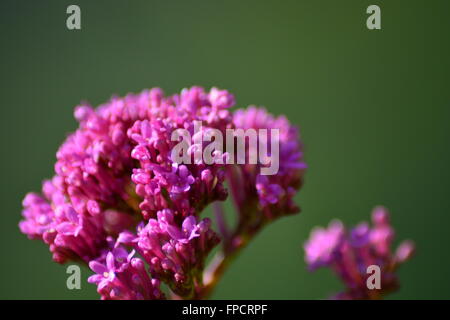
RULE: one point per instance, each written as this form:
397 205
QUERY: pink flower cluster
119 276
172 251
350 253
258 198
115 175
274 192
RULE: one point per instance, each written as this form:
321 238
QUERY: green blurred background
373 107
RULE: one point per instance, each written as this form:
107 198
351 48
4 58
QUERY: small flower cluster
163 183
54 220
349 253
119 276
115 173
172 251
263 198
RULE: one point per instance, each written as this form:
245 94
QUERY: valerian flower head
350 252
118 170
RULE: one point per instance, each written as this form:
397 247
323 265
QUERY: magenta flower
189 230
320 250
106 272
117 171
350 253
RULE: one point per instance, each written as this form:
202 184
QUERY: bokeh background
373 107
